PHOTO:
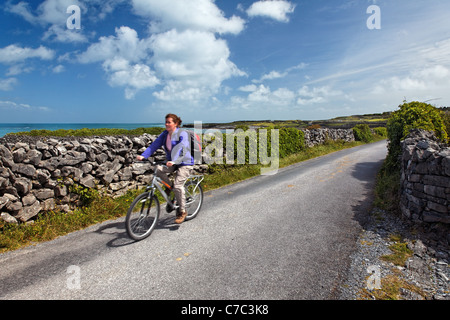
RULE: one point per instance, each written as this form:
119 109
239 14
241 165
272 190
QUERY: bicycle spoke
142 216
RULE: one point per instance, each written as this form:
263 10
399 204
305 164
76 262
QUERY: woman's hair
176 119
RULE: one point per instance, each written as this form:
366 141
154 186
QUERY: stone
60 191
44 194
14 206
118 185
433 217
48 205
3 201
4 182
88 181
49 165
26 169
72 158
29 212
101 158
125 174
28 200
140 168
86 167
61 149
41 146
72 171
437 207
43 176
5 153
23 186
19 155
33 157
8 218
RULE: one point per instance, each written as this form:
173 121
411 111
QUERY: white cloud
7 84
58 69
22 9
285 100
194 64
184 56
16 57
125 44
308 96
17 69
14 53
263 96
133 77
11 105
271 75
123 58
278 75
275 9
427 74
248 88
62 34
432 79
52 13
202 15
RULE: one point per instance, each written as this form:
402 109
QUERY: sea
6 128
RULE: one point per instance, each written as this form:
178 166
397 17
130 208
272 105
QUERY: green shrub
292 141
446 118
85 132
246 146
412 115
380 131
362 133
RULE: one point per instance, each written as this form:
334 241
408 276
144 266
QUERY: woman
177 146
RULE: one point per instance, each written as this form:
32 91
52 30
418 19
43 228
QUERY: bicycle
143 214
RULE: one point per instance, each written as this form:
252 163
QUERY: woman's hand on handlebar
170 163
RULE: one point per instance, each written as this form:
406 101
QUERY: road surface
285 236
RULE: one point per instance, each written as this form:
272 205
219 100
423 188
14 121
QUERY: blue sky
217 61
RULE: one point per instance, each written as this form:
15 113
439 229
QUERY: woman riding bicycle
179 158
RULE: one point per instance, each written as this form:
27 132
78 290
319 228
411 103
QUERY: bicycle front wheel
194 199
142 216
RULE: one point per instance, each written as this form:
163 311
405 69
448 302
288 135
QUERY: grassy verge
51 225
393 284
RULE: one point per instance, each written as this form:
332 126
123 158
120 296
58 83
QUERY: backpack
196 146
196 143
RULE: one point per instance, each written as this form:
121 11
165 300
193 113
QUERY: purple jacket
181 148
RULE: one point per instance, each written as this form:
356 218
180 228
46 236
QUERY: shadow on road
122 239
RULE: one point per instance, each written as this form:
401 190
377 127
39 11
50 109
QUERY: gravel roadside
425 274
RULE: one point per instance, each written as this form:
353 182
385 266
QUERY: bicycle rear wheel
194 199
142 216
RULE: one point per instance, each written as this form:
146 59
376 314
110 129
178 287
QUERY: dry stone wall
36 174
39 174
425 179
318 136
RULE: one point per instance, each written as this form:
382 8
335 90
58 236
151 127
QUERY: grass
85 132
51 225
392 287
400 251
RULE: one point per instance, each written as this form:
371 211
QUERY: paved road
286 236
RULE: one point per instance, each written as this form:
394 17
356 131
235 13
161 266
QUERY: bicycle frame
157 183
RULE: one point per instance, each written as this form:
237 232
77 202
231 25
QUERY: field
348 122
